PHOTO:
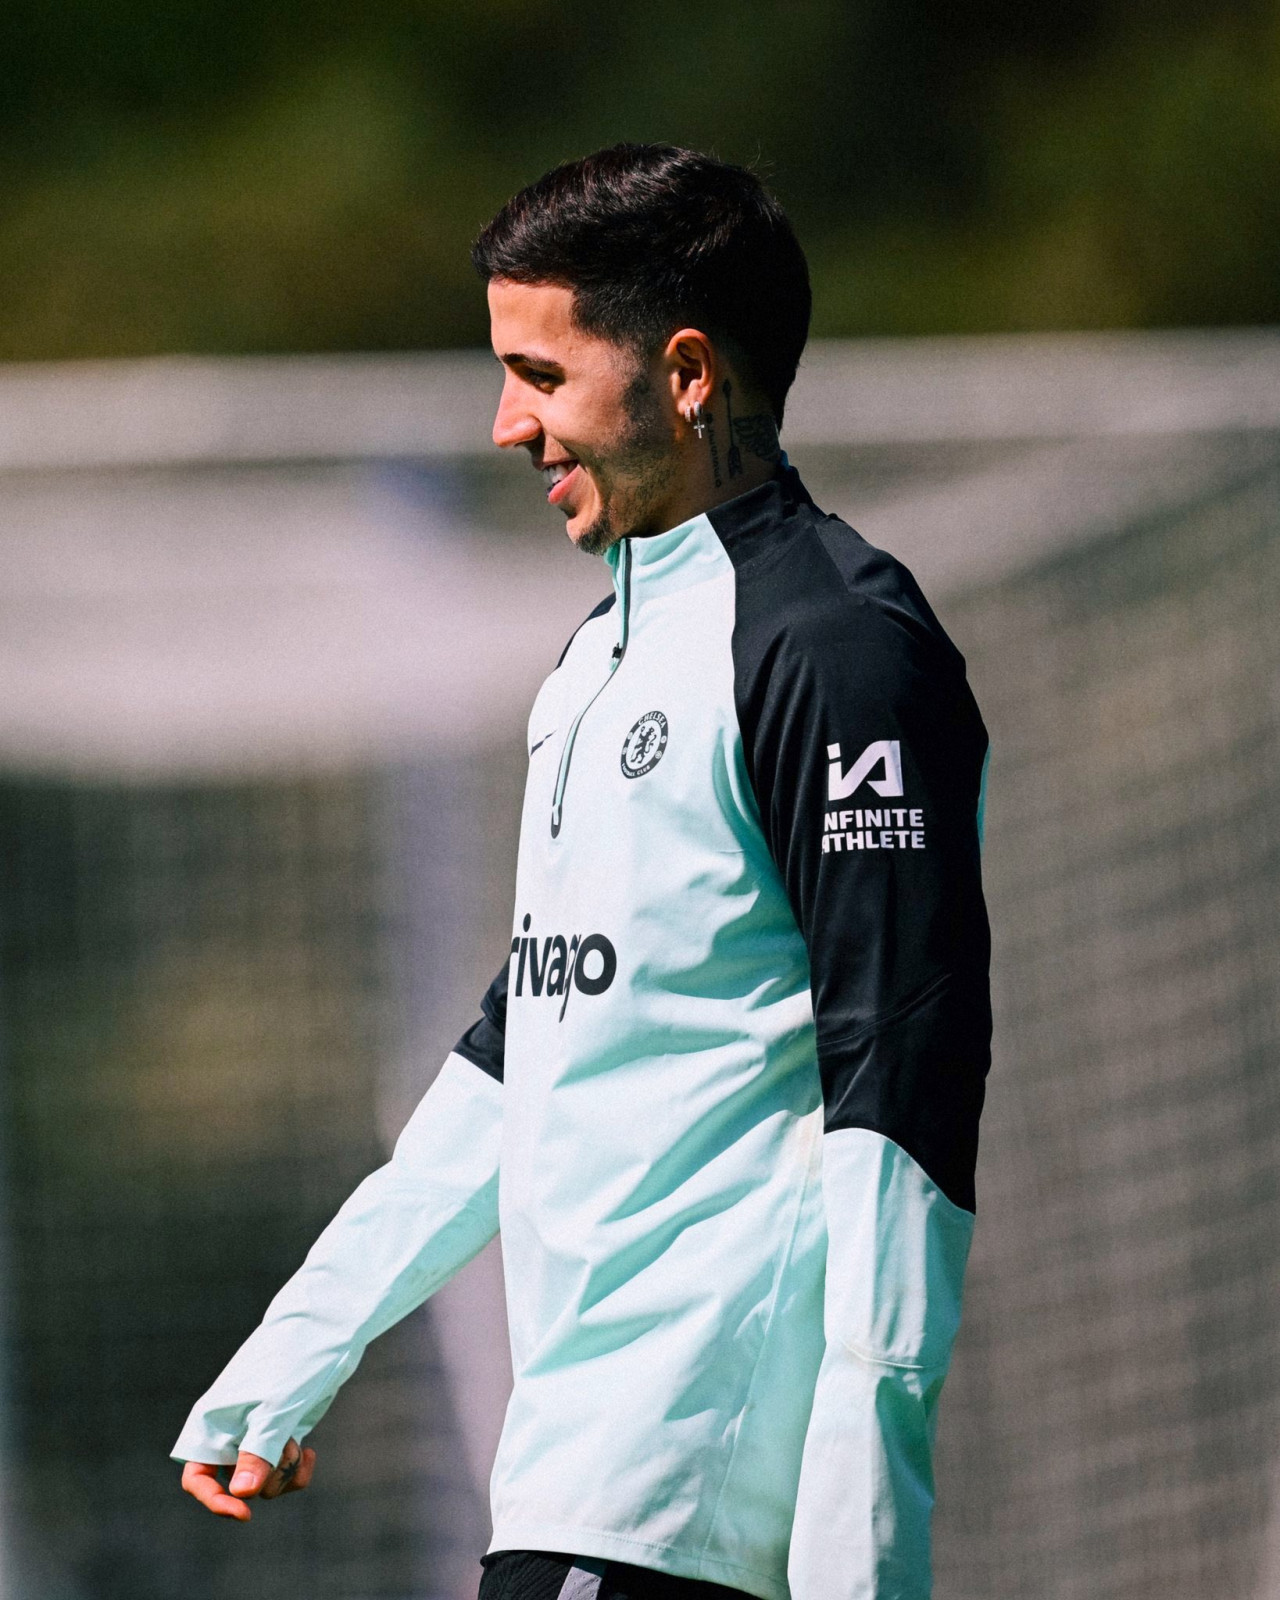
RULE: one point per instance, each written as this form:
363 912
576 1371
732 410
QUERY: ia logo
885 753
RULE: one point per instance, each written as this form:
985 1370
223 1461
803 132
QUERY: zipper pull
617 652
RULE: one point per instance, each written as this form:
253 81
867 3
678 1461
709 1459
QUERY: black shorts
535 1575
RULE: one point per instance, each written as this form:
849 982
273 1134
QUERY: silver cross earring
695 416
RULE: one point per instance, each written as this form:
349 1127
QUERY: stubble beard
638 468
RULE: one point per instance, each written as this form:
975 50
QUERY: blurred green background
307 175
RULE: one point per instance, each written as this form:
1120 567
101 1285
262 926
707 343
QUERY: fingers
302 1477
293 1471
252 1477
201 1480
282 1474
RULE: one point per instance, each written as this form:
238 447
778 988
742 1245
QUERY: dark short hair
650 237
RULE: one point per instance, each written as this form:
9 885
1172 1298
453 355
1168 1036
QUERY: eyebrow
519 358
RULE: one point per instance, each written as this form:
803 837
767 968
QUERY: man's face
594 420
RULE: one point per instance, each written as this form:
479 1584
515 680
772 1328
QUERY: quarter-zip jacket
722 1098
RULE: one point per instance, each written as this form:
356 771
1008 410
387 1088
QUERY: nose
515 422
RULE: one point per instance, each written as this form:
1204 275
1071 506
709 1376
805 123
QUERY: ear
690 364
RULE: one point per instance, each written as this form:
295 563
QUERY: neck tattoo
711 445
759 435
735 455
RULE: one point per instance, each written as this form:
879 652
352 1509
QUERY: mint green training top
722 1099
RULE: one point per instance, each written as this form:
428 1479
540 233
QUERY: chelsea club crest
643 747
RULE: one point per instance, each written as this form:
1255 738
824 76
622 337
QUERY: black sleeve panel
484 1042
605 605
865 749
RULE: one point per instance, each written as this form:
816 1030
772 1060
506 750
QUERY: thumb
250 1475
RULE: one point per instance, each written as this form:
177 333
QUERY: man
748 910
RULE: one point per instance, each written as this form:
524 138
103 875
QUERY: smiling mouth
555 476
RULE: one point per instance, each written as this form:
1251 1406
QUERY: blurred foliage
307 175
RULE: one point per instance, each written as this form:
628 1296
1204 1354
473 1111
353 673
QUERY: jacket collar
694 551
741 522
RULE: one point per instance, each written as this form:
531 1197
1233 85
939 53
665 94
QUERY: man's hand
252 1477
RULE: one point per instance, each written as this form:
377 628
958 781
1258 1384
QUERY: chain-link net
195 1007
1110 1427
